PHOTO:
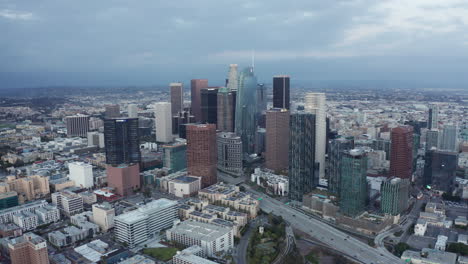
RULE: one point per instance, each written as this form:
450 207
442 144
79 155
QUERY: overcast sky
146 42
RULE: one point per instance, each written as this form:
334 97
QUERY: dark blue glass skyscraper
246 109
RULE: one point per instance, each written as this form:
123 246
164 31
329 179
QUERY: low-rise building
278 184
67 202
191 255
137 259
103 216
6 215
184 186
137 226
429 256
26 220
420 227
213 239
441 243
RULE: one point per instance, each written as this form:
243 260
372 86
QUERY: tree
400 248
458 248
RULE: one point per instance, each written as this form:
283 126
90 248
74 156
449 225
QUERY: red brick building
401 153
201 152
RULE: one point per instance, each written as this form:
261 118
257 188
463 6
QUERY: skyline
55 43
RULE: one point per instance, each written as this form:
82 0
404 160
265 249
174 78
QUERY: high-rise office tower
163 118
28 249
232 81
132 110
433 118
77 125
302 172
277 139
229 153
439 169
226 110
315 103
382 144
177 98
449 140
432 139
196 86
175 155
281 91
261 99
401 154
179 120
246 108
337 148
353 190
394 196
122 141
209 105
112 111
202 152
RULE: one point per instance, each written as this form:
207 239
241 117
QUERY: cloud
273 55
413 18
16 15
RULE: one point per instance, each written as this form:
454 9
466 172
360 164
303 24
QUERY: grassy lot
312 258
163 254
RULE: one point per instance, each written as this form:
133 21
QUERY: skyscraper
232 81
163 117
449 140
337 148
440 169
209 105
122 141
395 195
261 98
77 125
302 177
277 139
202 152
132 110
246 108
226 110
401 154
433 118
229 153
196 86
175 156
432 139
281 91
315 103
353 193
177 98
112 111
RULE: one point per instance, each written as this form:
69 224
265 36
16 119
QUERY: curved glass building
246 109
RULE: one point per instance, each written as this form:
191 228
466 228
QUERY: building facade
335 154
394 196
122 142
246 109
175 156
302 170
82 174
281 91
315 103
433 118
401 154
103 216
112 111
202 152
209 105
77 125
277 139
28 249
353 194
226 109
229 153
163 122
196 86
177 98
124 178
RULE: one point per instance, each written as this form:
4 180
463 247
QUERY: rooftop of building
137 259
433 255
141 213
201 231
186 179
8 194
24 206
191 258
28 237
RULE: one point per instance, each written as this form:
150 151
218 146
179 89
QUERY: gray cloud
149 41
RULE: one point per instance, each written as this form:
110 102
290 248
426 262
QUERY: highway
328 235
